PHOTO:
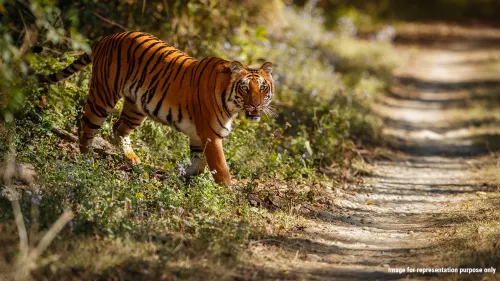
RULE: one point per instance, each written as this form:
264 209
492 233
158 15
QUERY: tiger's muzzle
253 113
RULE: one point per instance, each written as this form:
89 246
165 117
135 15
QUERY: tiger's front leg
198 162
216 160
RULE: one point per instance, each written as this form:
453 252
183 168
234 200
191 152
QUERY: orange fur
198 98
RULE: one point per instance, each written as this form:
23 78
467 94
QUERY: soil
398 217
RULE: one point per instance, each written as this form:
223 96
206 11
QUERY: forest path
440 112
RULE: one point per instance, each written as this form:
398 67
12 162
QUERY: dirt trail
397 217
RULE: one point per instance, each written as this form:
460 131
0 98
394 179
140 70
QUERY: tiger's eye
244 88
263 88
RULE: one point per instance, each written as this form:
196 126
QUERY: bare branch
51 234
21 228
110 21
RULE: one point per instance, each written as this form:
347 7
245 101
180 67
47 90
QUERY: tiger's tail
76 66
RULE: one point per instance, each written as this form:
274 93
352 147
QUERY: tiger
200 98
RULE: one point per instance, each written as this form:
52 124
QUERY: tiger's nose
258 106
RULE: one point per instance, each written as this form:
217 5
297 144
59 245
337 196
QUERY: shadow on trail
449 126
445 86
446 100
409 96
475 145
456 43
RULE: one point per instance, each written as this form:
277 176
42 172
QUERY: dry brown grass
475 243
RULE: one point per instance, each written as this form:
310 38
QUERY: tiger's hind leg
130 118
95 113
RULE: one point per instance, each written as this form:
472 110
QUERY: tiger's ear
236 67
267 67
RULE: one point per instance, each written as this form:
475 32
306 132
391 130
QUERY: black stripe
149 94
98 110
184 74
145 69
215 105
192 108
132 62
119 60
86 59
193 73
179 117
107 57
124 114
180 67
165 92
167 84
107 96
158 105
90 124
199 81
224 105
129 52
216 99
167 78
220 123
203 70
141 57
217 134
99 94
195 149
187 111
160 58
72 67
169 116
130 124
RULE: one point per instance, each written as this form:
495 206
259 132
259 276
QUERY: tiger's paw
132 158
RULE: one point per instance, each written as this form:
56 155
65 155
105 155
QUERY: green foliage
325 81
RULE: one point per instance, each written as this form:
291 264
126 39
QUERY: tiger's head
251 90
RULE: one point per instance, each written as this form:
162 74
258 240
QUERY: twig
64 134
21 228
100 144
110 21
28 263
51 234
